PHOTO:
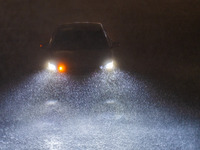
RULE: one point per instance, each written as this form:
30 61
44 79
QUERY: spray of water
104 110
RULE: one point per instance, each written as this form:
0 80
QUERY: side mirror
115 44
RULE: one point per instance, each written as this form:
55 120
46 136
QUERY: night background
159 40
160 37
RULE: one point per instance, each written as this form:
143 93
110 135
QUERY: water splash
114 110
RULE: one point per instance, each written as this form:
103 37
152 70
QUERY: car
80 47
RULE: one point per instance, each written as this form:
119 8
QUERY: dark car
80 47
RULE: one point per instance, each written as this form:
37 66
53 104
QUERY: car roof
81 26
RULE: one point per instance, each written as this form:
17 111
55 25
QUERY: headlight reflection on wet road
112 110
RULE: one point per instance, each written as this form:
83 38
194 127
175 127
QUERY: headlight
51 67
108 66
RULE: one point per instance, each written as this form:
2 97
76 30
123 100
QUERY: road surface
104 110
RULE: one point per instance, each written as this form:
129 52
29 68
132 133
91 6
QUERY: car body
80 47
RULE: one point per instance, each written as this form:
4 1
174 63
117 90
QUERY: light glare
62 68
51 67
109 65
51 102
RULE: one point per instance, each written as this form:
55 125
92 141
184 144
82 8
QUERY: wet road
114 110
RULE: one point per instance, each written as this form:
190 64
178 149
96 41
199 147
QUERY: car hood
81 57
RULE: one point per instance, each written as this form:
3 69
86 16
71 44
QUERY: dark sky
154 35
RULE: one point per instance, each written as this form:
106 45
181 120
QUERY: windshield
77 39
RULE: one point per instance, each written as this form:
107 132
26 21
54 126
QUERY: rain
103 110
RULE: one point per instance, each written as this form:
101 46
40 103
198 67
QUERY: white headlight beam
109 66
51 67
